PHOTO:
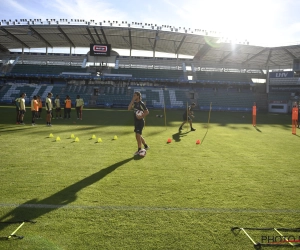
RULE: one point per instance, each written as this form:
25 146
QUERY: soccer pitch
96 195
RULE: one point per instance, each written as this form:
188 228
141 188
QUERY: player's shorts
40 110
22 112
138 126
58 109
78 108
49 111
184 118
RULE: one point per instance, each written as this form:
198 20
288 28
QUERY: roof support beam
90 34
155 40
40 37
274 63
130 41
202 52
3 49
65 35
103 34
125 39
252 57
269 57
179 46
14 38
97 34
231 52
290 53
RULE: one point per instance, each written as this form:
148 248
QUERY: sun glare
239 21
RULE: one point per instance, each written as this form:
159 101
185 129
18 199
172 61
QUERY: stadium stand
218 75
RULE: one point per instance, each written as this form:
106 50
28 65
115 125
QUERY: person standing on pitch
57 107
68 105
22 108
17 102
79 107
34 109
39 99
139 122
49 107
187 116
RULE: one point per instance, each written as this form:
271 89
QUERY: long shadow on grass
177 136
34 208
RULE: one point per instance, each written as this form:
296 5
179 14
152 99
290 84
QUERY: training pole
209 115
165 115
13 233
145 116
294 119
254 115
187 116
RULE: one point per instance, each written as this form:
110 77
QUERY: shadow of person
177 136
57 200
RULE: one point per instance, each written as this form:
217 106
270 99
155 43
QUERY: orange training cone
169 140
198 142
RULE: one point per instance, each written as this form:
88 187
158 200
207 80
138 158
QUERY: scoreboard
100 49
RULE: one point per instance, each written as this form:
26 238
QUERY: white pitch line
136 208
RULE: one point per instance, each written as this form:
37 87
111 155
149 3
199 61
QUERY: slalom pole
13 233
165 114
209 115
207 122
254 115
187 116
145 116
294 118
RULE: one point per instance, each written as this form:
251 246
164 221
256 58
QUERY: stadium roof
201 44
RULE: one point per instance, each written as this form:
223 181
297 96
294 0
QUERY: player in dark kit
139 122
187 117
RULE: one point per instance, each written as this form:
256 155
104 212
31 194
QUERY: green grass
89 195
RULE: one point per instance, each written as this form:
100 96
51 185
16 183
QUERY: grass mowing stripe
135 208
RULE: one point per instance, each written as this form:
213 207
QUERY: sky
260 22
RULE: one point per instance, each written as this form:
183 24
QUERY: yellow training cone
57 138
93 137
77 139
99 140
72 136
115 137
51 135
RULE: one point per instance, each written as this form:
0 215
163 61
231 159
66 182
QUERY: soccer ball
142 152
139 113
